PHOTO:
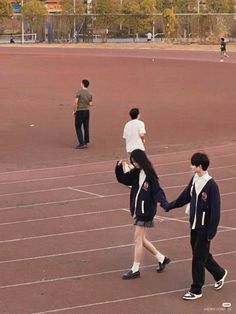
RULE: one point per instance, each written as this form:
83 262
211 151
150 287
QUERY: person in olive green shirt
82 103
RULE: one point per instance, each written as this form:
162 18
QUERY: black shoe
163 265
131 275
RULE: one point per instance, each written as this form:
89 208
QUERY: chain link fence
189 28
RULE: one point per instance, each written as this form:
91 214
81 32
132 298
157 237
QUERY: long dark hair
140 157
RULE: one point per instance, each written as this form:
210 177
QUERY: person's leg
200 249
162 259
78 125
138 240
214 268
86 126
138 252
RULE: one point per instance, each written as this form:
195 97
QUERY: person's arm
91 101
214 211
158 193
142 132
123 177
75 104
183 199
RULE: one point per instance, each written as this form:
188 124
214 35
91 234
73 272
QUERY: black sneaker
131 275
219 284
163 265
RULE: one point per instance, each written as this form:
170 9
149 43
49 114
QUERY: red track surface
65 234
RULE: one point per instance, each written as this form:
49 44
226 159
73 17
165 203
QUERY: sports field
66 234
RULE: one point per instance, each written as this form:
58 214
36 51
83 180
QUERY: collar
200 182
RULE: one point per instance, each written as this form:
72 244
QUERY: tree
5 10
140 14
219 26
34 12
169 21
68 6
220 6
106 10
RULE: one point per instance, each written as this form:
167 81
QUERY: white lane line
58 189
86 192
42 281
89 213
60 202
89 198
98 184
61 217
64 233
145 296
158 218
101 172
96 250
114 160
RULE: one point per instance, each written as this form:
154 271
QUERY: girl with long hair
144 196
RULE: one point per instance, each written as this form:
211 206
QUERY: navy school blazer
148 196
207 205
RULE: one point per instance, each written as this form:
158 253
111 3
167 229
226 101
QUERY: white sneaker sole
196 296
223 280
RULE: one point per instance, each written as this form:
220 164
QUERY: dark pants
202 259
82 120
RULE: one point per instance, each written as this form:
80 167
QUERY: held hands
165 206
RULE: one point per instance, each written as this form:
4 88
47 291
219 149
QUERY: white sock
135 267
160 257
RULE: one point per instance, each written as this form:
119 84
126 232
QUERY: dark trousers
82 120
202 259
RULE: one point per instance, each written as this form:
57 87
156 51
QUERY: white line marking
61 217
93 184
61 202
89 198
74 189
99 273
114 160
158 217
94 250
64 233
145 296
101 172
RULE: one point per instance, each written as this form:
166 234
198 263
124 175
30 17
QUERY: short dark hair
200 159
222 39
134 112
85 83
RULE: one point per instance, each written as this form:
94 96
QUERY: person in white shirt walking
134 134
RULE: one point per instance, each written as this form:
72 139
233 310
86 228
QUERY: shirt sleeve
142 128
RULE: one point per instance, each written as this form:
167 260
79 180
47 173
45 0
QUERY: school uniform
144 195
203 199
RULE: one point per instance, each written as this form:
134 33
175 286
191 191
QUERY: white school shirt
198 183
131 134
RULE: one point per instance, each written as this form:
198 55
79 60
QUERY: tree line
173 18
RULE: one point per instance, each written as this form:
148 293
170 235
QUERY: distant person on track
223 53
203 199
12 41
82 103
134 132
144 195
149 37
